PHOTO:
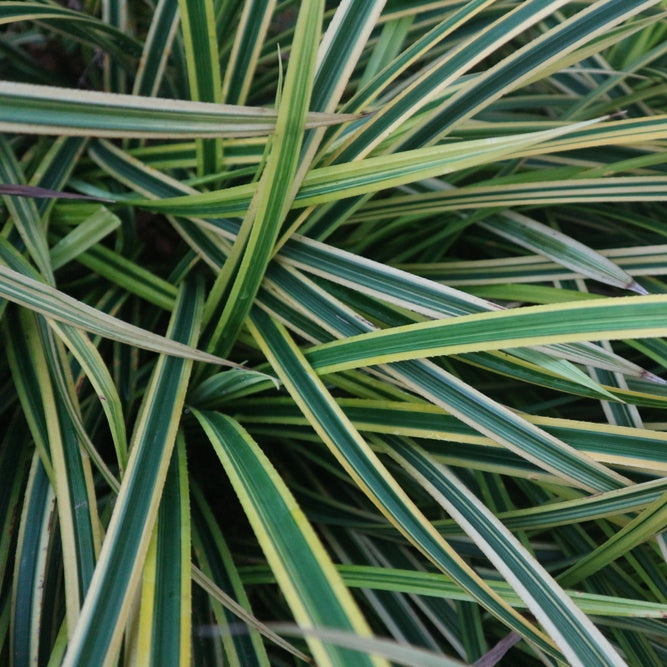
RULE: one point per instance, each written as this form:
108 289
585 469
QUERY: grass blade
368 472
97 635
574 633
291 546
604 319
48 110
52 303
237 284
201 55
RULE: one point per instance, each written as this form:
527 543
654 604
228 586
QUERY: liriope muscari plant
333 332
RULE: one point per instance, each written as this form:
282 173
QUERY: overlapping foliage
350 350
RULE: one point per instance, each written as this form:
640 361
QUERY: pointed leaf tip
634 286
647 375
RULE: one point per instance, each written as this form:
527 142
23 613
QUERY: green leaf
33 109
165 617
77 24
398 654
539 238
242 63
216 561
604 319
54 304
370 175
29 591
525 63
307 576
203 64
98 633
363 466
88 233
532 194
236 286
644 527
434 584
156 48
579 640
28 339
25 214
93 365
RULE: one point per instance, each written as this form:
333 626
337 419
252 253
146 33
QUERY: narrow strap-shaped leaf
493 420
93 365
26 382
634 131
534 268
15 455
123 272
229 603
482 413
338 54
40 193
34 109
98 633
203 64
368 472
512 430
54 171
531 234
388 283
397 653
604 319
115 13
231 297
294 288
632 448
52 303
76 23
340 50
524 64
306 575
45 416
24 214
611 504
504 426
156 48
426 297
456 62
242 62
468 404
532 194
362 177
72 477
579 640
227 386
216 561
644 527
328 217
472 630
387 48
164 632
86 234
35 533
435 584
533 365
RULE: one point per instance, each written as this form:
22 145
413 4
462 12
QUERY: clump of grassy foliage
333 332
